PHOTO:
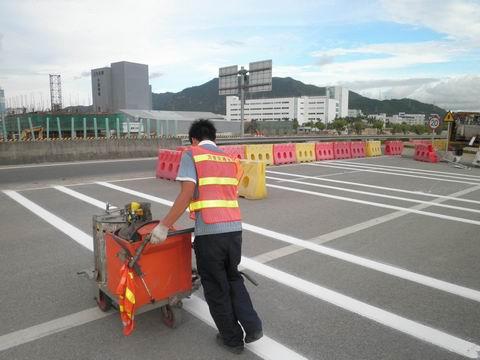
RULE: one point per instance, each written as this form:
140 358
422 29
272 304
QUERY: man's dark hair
202 130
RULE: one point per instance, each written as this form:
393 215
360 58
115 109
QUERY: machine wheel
171 315
103 301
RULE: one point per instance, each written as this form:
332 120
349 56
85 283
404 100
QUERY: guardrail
316 138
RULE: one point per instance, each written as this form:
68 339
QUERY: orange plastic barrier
357 149
425 153
167 267
168 163
341 150
393 147
235 151
324 151
183 148
284 154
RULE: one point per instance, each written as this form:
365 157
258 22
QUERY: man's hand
159 234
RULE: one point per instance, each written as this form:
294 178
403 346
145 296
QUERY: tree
378 124
339 125
358 126
320 125
295 125
396 128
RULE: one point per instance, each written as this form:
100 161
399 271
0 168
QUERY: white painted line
380 205
83 197
407 326
70 230
412 169
26 166
399 171
375 187
39 331
291 249
377 195
395 174
386 318
371 264
266 347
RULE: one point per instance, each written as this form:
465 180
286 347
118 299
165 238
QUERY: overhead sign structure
257 78
434 122
449 117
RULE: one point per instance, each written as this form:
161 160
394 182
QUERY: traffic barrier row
235 151
305 152
260 153
253 184
440 144
357 149
324 151
393 147
168 164
284 154
425 153
373 148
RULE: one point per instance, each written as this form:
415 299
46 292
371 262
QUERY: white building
355 113
304 109
340 94
2 101
410 119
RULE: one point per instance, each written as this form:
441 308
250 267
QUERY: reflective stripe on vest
207 204
211 157
217 181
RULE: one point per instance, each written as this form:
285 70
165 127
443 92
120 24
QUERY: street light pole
243 81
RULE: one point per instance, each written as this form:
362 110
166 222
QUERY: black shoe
253 336
233 349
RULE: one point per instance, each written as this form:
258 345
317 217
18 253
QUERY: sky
428 50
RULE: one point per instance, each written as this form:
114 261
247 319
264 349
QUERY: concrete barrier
51 151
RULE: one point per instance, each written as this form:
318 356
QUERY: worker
209 184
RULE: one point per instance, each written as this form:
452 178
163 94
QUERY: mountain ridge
205 97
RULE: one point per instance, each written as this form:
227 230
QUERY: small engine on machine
136 215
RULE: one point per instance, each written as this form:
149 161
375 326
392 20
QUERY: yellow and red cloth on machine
126 296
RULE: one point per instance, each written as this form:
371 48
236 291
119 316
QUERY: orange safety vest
218 177
126 299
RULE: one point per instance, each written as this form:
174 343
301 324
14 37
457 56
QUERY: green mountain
205 98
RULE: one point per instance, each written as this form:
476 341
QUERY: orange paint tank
167 267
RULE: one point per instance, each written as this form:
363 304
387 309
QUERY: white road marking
380 205
76 234
395 174
415 329
407 326
39 331
412 169
376 187
83 197
433 176
371 264
375 194
27 166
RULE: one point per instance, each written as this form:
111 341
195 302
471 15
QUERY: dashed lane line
409 327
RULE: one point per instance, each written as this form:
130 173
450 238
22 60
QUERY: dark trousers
218 256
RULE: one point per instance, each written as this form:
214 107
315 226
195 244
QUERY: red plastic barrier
425 153
324 151
284 154
357 149
341 150
168 163
235 151
394 147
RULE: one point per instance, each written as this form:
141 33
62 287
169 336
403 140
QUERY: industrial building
123 85
410 119
2 101
304 108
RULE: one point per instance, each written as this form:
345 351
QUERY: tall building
123 85
340 94
2 101
304 109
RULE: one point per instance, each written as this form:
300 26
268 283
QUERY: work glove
159 234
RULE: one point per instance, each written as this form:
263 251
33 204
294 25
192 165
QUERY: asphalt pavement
373 258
